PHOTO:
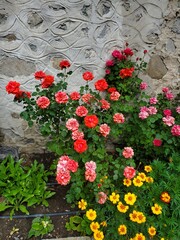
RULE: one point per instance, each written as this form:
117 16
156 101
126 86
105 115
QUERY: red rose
91 121
75 96
88 76
128 52
39 75
47 81
43 102
101 85
13 87
80 145
22 94
64 64
109 63
111 89
157 142
126 72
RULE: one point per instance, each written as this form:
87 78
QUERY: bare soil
57 204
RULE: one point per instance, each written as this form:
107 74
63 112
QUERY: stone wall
36 35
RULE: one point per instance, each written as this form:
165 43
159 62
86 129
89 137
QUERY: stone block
156 67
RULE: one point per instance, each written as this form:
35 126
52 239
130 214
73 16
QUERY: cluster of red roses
13 87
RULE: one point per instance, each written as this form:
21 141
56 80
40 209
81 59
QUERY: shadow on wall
5 150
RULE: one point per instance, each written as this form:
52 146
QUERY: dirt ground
22 226
57 204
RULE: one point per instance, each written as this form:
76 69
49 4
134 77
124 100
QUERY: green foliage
41 227
22 186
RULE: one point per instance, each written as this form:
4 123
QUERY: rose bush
116 146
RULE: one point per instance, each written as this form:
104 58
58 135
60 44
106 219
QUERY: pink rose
72 124
128 152
129 172
61 97
77 135
152 110
169 96
153 100
91 166
87 97
104 129
43 102
165 89
104 104
144 108
114 96
168 120
143 115
63 177
167 112
157 142
178 109
118 118
81 111
102 197
143 85
90 175
175 130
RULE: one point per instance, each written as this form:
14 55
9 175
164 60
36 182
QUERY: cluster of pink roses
65 166
168 119
90 171
147 111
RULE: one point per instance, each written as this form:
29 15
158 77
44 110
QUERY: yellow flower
122 229
130 198
82 204
142 176
152 231
94 226
162 239
114 198
133 216
98 235
104 224
122 208
137 181
127 182
156 209
139 236
140 217
91 214
148 168
149 180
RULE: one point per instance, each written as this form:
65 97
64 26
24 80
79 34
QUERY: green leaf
23 209
4 206
77 219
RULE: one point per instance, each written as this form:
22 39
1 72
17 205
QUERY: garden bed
18 228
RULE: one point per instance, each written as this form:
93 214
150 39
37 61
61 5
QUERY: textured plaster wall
36 35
